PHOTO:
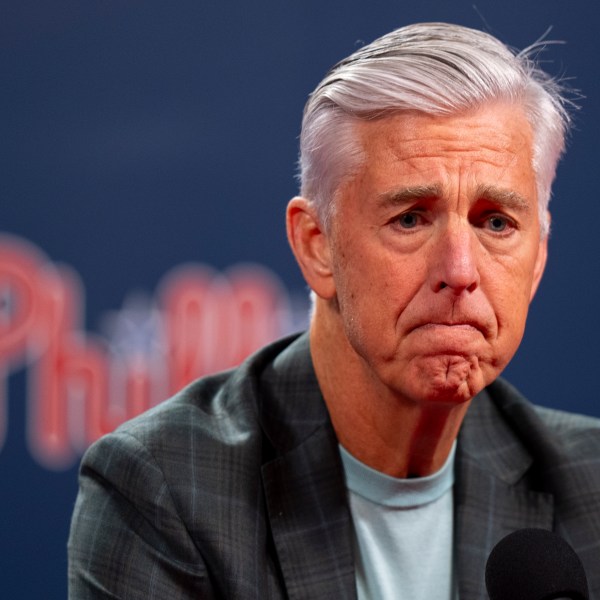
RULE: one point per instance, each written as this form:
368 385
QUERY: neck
393 434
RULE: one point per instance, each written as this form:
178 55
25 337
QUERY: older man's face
436 250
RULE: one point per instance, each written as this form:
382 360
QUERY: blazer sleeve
127 539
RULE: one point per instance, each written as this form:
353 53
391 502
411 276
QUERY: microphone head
535 564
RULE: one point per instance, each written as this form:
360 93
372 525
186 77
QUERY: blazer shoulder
553 436
220 408
179 485
572 430
212 422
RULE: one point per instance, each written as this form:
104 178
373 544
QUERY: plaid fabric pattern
234 489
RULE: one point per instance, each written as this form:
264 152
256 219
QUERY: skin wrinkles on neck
416 441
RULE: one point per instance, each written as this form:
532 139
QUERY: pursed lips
453 326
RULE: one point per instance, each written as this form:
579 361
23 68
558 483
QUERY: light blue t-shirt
403 532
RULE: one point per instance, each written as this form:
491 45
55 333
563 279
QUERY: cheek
365 297
373 309
510 296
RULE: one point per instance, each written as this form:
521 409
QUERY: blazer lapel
310 520
492 496
303 482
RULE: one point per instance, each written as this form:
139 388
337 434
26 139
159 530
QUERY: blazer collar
291 405
495 484
303 481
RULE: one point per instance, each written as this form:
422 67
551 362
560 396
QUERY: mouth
452 325
449 326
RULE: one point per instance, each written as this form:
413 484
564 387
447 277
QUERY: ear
310 245
540 265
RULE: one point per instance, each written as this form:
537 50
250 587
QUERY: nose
454 265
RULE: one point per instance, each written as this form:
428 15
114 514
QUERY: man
379 455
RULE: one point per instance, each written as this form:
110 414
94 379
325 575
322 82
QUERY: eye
499 223
409 220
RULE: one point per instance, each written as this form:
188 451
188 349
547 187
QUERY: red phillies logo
81 385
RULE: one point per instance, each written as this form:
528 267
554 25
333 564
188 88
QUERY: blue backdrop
148 150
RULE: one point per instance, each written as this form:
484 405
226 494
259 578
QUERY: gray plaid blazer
234 489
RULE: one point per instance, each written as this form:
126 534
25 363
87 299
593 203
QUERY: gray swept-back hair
437 69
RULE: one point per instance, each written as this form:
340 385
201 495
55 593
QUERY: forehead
492 142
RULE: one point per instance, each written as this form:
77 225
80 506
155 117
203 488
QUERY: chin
450 379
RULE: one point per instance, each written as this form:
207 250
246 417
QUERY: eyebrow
502 196
409 194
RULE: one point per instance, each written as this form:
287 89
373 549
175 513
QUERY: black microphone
535 564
